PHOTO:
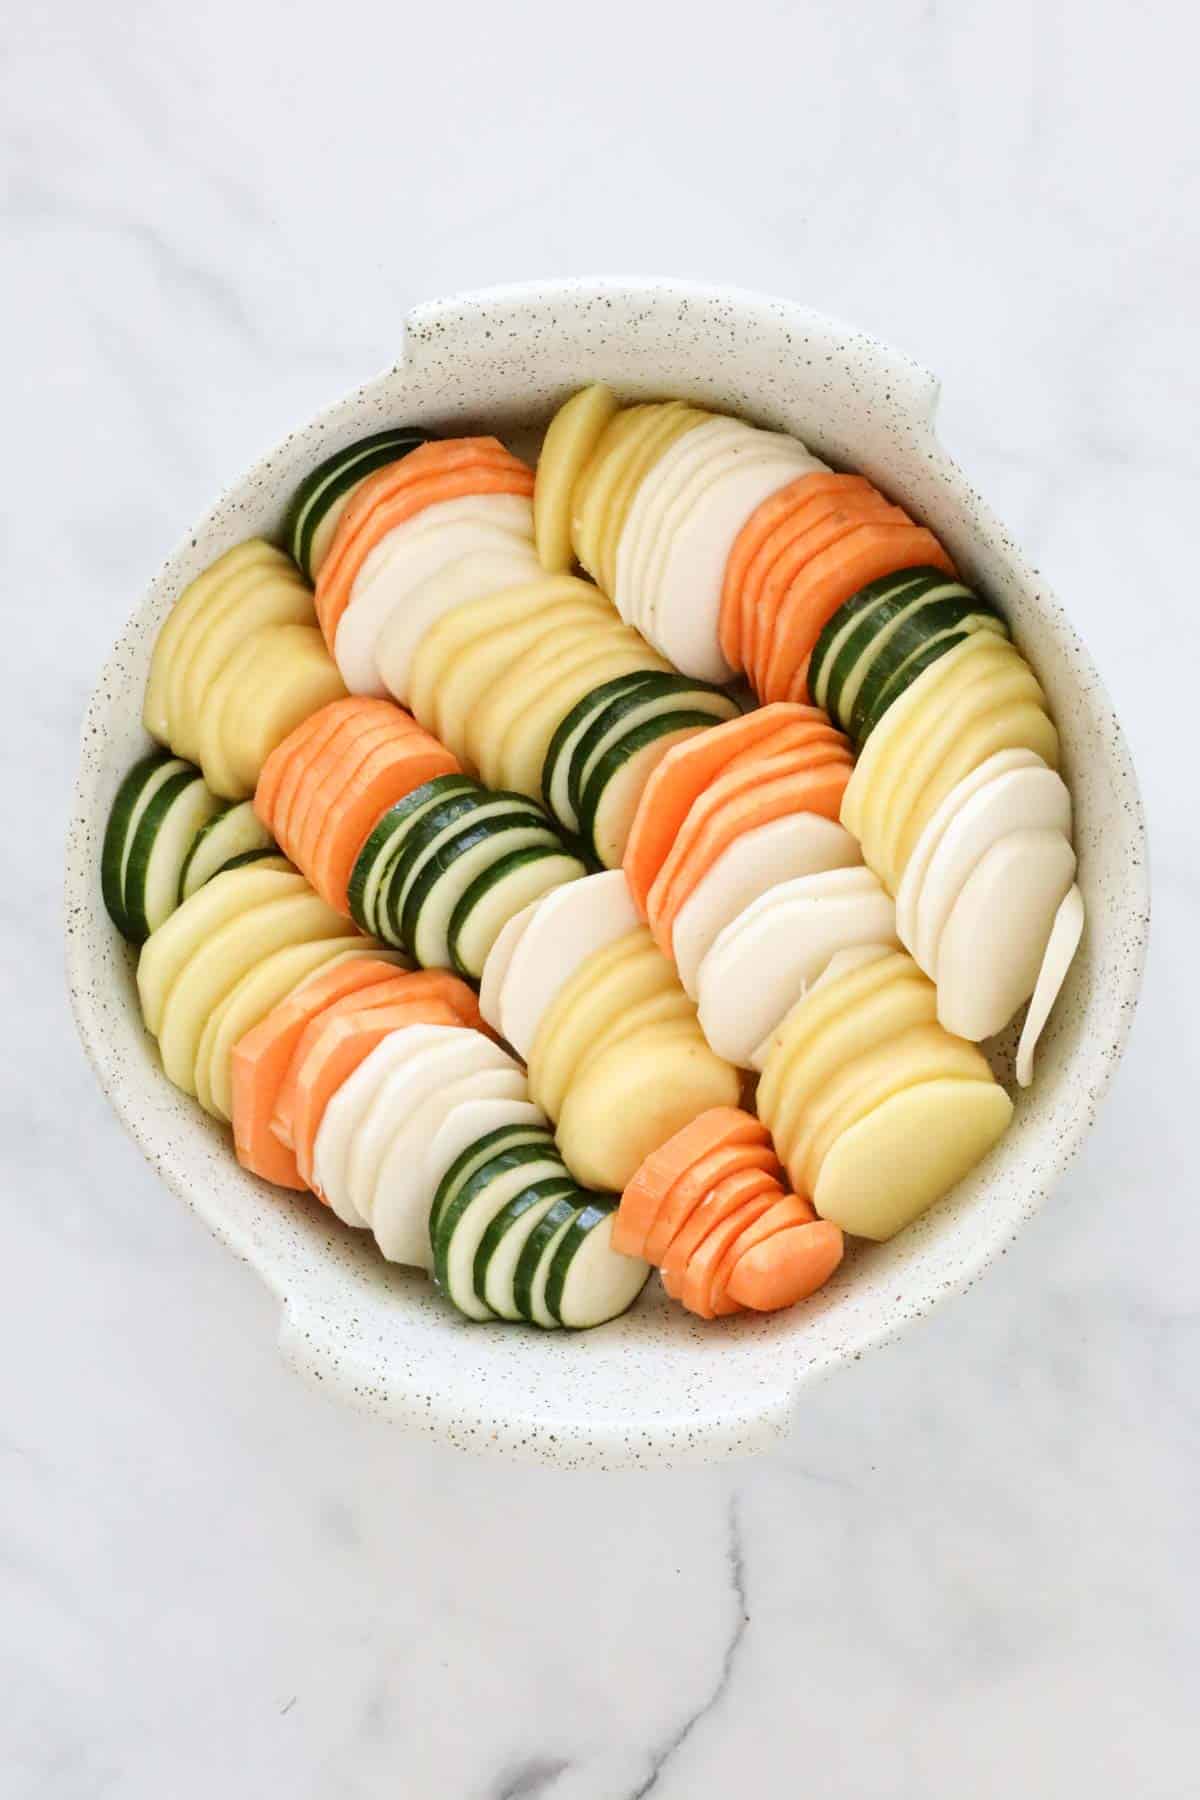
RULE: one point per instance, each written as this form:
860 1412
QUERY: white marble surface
974 1568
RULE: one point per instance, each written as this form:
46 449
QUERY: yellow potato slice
499 658
551 655
250 1000
821 1006
244 559
636 1096
907 1153
456 631
640 452
922 1053
594 485
979 687
620 976
572 436
277 595
876 1020
523 740
218 964
1023 727
229 893
273 682
930 741
878 751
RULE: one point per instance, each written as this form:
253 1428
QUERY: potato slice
524 732
569 926
240 564
635 1097
877 1019
922 1053
274 594
670 421
218 964
887 740
850 975
603 989
229 893
570 440
933 731
1025 726
907 1153
558 663
467 626
500 562
250 1000
273 682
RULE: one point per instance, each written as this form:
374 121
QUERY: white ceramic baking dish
656 1387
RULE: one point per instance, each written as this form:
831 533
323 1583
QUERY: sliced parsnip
1060 954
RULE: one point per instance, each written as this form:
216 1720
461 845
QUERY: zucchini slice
233 836
588 1282
453 865
463 1219
505 888
505 1238
618 780
556 770
322 495
133 797
504 1137
373 865
165 832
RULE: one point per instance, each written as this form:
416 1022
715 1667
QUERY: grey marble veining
973 1568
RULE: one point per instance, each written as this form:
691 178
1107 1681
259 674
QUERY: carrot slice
754 532
399 988
658 1173
400 491
814 785
788 1210
388 773
298 752
787 1267
330 1051
688 1192
724 1196
684 773
335 761
260 1062
438 457
828 580
822 521
695 1287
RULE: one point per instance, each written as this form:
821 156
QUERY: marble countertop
973 1568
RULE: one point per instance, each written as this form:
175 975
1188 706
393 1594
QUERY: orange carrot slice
388 773
696 1286
689 1191
815 785
277 790
754 532
332 763
828 580
787 1267
399 988
725 1196
398 492
788 1210
822 521
683 774
330 1051
662 1168
261 1058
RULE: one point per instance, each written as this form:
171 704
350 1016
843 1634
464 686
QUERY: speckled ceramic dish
657 1386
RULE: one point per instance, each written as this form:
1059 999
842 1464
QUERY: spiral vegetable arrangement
551 925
